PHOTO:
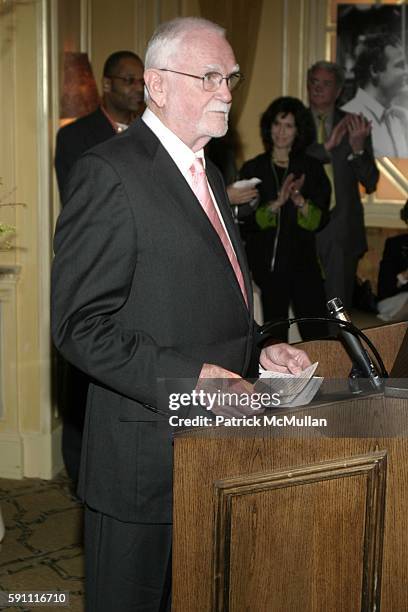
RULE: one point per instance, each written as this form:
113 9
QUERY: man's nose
224 92
138 85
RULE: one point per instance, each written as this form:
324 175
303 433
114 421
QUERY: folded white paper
293 389
245 183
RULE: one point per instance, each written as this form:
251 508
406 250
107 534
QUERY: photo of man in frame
372 50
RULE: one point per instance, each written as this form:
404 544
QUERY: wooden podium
296 519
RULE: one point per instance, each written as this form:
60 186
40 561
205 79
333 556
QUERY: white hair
169 35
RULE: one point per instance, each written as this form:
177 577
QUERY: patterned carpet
42 547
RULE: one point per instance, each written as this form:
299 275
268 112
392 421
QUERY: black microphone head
334 306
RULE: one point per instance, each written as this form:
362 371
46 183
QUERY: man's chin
217 131
136 107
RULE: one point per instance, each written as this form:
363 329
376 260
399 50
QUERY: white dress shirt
390 126
180 153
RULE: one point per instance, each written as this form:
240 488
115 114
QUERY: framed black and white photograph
371 48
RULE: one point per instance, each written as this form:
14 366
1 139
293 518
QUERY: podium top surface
368 415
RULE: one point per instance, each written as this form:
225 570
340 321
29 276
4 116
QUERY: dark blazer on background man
346 225
76 138
147 293
394 261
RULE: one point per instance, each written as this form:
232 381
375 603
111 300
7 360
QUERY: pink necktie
200 188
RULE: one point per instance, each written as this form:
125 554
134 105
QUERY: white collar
181 154
370 103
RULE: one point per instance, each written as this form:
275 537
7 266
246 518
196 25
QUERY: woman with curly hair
294 203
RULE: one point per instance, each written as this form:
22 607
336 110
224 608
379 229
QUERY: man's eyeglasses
130 80
212 80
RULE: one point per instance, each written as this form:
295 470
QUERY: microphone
363 366
350 337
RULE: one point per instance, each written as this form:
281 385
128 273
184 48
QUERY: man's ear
106 85
156 86
374 74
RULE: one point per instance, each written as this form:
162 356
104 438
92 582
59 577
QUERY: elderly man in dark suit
344 147
149 283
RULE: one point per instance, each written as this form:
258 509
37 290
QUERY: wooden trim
373 465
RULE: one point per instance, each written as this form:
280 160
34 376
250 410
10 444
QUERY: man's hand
232 386
358 129
209 370
278 358
337 134
241 195
402 278
284 358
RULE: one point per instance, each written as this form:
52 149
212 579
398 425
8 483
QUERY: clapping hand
358 129
295 194
337 134
290 189
356 126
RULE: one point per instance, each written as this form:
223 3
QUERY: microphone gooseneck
354 347
363 365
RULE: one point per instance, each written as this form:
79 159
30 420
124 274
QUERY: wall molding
8 344
11 450
42 454
31 455
9 272
379 214
44 213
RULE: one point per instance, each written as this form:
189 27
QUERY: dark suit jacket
394 261
346 225
76 138
142 291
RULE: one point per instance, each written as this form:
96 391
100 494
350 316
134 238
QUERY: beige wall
26 425
291 37
113 27
129 25
265 82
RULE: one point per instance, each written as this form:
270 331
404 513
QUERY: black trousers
127 565
304 288
340 269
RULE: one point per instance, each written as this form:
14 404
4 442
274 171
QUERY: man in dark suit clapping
150 283
344 147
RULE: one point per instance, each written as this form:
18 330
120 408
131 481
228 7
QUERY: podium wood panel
301 536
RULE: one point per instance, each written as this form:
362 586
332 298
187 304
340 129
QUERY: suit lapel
168 178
